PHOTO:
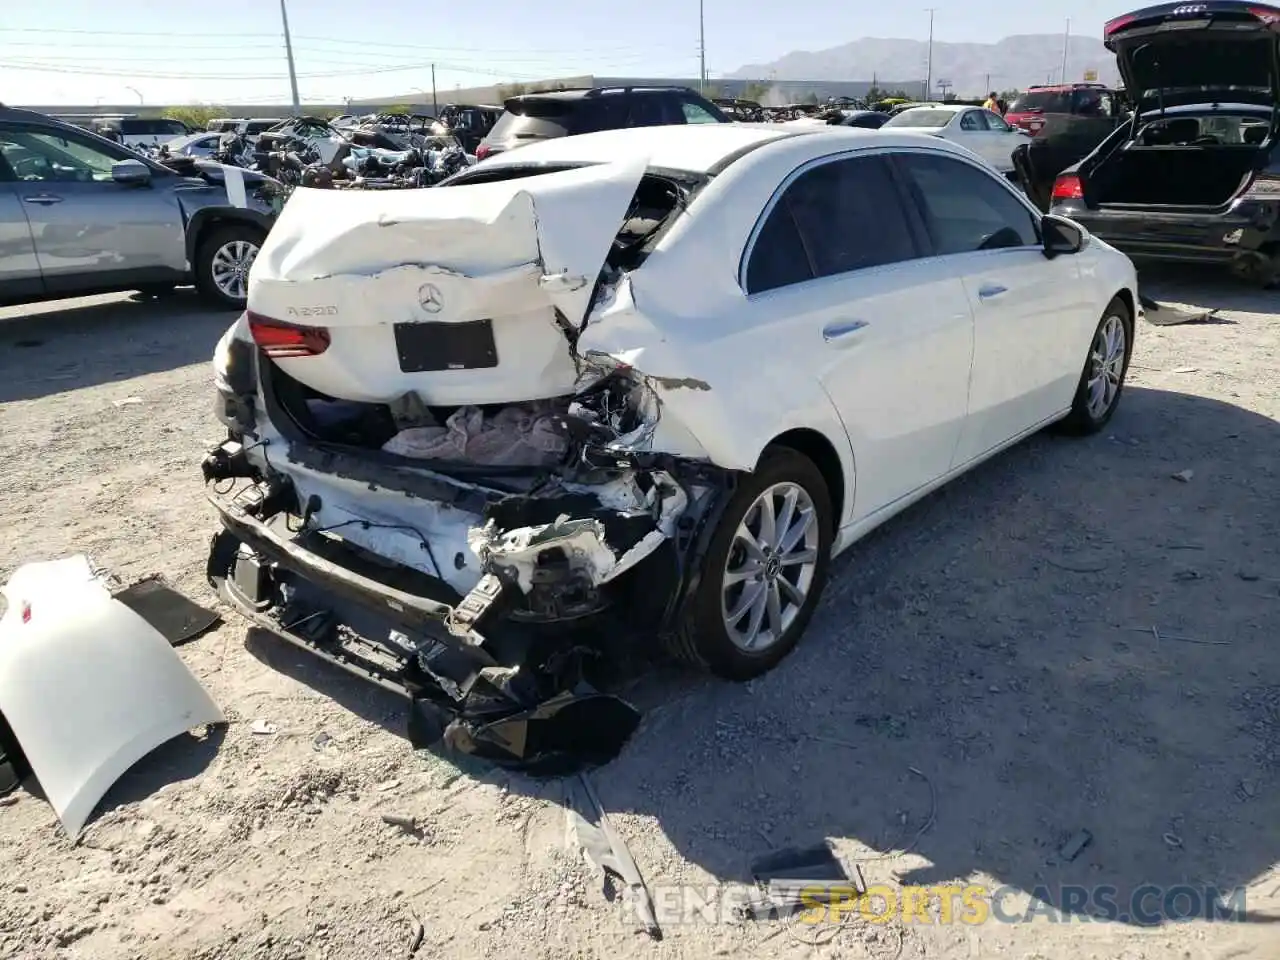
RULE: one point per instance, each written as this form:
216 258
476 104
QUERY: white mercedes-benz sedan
636 384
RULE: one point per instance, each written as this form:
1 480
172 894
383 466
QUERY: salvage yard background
991 639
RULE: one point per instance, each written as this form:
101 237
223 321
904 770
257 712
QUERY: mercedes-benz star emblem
430 298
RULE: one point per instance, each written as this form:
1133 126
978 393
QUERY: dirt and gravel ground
977 687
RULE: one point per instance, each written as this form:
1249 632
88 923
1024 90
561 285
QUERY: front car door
89 231
1024 305
835 257
19 268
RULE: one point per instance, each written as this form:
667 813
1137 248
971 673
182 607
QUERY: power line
40 67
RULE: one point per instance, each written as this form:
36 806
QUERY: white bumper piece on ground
87 686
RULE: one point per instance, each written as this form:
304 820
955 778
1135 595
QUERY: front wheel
1105 367
763 571
222 264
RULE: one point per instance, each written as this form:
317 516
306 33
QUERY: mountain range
1013 63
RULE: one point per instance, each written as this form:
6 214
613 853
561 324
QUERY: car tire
1105 366
716 633
223 258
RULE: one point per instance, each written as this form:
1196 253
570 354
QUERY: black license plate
431 347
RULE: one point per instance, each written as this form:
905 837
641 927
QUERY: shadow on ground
982 683
49 348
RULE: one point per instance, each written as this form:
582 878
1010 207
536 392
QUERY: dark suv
563 113
1030 111
80 214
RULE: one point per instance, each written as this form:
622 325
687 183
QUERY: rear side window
695 112
966 209
842 216
171 128
973 120
608 112
534 119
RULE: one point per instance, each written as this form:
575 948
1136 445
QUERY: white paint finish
896 366
236 194
994 147
512 252
731 373
87 685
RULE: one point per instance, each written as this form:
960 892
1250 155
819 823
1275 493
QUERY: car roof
697 147
583 93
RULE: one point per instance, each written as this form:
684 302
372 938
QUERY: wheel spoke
749 543
751 593
774 602
796 532
801 556
759 608
785 518
750 570
768 522
793 593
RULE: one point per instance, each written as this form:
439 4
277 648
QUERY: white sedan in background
787 333
974 128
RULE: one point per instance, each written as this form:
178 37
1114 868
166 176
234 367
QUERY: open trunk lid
497 281
1219 51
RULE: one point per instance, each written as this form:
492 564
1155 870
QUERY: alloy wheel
230 268
1106 365
771 567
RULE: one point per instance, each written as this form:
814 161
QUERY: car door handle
990 290
841 328
43 198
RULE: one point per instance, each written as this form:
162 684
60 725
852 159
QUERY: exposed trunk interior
1197 176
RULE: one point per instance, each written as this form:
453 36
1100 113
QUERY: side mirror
1060 235
131 172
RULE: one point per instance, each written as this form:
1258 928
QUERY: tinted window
696 113
142 127
972 120
609 112
778 258
533 118
965 208
847 216
1043 101
1092 103
648 111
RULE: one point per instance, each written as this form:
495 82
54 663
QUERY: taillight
483 151
1067 187
1119 23
278 339
1266 14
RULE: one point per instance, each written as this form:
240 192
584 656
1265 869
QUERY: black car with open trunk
1193 175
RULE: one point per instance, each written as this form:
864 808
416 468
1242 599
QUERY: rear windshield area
534 118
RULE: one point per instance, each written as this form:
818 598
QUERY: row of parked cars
1181 165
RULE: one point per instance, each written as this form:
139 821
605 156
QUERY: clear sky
94 51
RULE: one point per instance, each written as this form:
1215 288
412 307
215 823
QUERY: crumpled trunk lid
1221 51
464 295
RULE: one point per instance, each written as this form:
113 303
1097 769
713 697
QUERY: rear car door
88 230
19 268
835 261
1024 305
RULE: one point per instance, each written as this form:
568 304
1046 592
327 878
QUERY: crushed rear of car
1194 175
472 512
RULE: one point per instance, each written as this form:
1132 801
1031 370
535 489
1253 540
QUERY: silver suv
81 215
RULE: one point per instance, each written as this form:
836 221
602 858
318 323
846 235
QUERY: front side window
55 157
995 122
837 217
965 208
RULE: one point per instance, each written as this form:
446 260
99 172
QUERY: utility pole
928 81
987 89
1066 39
702 48
288 51
435 106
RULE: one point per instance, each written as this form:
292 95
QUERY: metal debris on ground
795 878
1183 475
415 938
1173 314
606 850
178 619
263 728
1074 846
1172 841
